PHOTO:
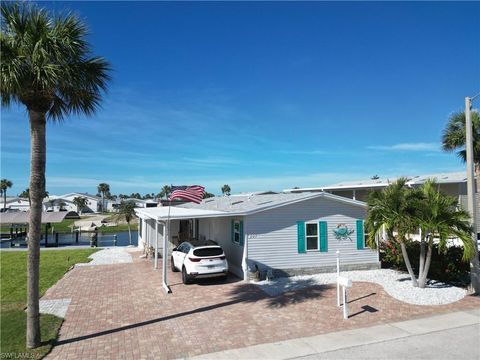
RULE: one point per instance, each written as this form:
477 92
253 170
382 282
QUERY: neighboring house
453 184
93 204
17 204
286 233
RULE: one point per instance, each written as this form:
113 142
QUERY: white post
338 274
354 195
245 253
166 235
471 198
345 305
156 244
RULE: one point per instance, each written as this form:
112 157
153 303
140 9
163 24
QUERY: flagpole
166 235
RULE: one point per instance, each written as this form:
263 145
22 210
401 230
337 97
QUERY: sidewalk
352 343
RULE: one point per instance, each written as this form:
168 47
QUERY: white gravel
56 307
396 284
108 256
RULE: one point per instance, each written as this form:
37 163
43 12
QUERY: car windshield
208 251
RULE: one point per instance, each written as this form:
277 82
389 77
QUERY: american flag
192 193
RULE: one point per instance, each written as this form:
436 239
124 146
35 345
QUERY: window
312 236
236 231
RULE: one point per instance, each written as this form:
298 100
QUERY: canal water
104 239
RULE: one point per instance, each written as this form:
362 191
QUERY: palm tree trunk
407 264
422 258
423 279
37 189
4 199
129 233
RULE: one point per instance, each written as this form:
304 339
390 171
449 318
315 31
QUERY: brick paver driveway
122 311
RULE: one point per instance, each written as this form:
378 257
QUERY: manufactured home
285 233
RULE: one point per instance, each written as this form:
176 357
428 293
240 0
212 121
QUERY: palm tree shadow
285 293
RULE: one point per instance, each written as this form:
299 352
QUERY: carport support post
245 253
166 234
156 244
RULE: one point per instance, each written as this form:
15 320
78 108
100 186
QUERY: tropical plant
26 194
391 210
4 185
46 66
126 211
165 192
454 135
104 190
439 219
402 211
80 202
226 190
453 139
207 195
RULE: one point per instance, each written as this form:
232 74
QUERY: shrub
447 267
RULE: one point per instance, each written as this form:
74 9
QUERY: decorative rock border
396 284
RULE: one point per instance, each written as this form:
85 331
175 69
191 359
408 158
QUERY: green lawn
13 295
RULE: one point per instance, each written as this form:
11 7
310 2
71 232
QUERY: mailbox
345 282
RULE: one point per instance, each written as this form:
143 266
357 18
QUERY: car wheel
174 269
185 278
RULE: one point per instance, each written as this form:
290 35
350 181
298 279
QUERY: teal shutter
360 235
322 226
233 231
301 236
241 233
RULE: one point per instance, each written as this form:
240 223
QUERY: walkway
122 311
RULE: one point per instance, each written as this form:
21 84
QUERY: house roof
238 205
80 194
22 217
441 178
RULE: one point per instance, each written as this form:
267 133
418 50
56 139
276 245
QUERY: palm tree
26 194
440 218
126 211
165 192
4 185
453 138
392 209
226 190
104 189
47 66
80 202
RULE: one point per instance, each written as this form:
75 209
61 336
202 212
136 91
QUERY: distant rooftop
441 178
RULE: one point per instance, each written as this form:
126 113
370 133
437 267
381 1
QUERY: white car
199 261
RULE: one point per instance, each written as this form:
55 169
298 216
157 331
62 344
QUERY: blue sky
260 95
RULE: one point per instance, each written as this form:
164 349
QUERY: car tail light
194 259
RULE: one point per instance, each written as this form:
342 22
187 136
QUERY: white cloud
407 147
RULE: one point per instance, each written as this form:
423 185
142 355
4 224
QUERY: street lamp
471 198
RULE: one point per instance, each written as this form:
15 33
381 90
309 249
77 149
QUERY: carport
23 217
155 228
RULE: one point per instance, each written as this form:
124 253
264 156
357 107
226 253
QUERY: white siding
273 235
219 230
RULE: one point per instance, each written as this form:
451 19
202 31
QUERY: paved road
458 343
446 336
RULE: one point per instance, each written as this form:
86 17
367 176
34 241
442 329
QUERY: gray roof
441 178
22 217
245 204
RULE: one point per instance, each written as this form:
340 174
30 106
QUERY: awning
22 217
177 213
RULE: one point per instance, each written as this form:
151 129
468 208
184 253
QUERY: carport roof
22 217
176 212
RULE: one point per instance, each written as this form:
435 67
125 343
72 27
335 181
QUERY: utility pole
471 196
